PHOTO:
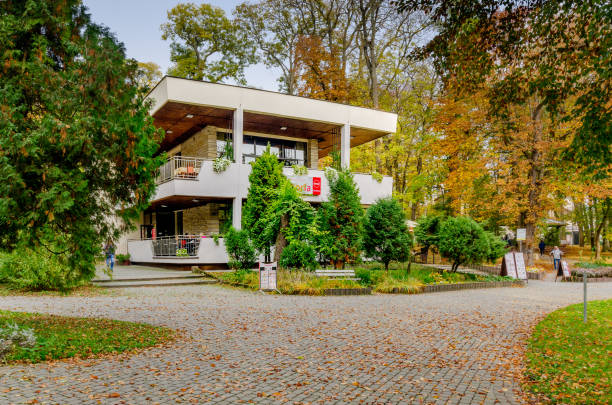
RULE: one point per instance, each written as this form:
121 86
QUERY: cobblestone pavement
452 347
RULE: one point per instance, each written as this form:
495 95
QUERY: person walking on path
542 246
109 251
556 254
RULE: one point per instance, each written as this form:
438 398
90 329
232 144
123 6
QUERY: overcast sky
136 24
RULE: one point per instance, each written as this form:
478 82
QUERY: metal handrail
173 245
180 167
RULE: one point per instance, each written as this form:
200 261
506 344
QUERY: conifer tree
386 233
265 180
340 220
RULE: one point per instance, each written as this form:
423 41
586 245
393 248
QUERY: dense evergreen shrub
386 233
38 269
298 255
240 249
463 241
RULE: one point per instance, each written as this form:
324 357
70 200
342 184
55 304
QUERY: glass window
289 152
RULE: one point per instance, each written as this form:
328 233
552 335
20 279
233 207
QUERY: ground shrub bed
396 280
288 282
569 361
59 337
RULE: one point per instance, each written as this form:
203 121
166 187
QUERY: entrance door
165 223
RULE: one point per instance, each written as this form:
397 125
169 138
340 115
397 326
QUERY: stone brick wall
313 154
203 219
201 144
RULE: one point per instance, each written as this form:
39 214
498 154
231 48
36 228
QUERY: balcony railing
180 167
176 246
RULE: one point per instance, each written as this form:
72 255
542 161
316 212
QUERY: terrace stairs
144 276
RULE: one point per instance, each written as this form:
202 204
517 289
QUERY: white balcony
194 177
208 252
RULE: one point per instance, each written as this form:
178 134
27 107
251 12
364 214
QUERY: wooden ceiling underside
173 118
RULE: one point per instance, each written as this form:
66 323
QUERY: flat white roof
194 92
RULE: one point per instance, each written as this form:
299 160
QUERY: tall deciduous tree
77 145
206 45
275 28
386 235
149 73
547 51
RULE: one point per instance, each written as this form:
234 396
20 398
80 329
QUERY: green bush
497 247
463 241
426 231
36 270
386 234
240 249
298 255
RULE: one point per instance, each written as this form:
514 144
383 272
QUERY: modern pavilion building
204 121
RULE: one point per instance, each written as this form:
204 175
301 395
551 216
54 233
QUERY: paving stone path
453 347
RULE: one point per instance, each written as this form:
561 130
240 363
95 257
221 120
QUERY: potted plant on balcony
123 260
222 162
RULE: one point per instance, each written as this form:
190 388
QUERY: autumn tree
148 75
548 52
274 27
206 45
77 145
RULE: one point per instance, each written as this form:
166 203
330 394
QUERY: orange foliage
320 71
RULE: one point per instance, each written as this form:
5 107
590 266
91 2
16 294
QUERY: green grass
61 337
570 362
593 265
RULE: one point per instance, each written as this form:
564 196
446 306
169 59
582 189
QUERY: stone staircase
142 276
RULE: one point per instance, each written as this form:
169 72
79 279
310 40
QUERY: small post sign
521 234
267 276
565 269
513 266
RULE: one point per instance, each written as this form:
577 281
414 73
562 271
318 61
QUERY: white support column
345 146
237 134
237 213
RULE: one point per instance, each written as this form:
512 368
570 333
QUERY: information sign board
566 269
521 234
513 265
267 276
519 260
508 265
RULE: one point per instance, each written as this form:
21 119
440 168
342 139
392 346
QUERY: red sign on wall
306 185
316 186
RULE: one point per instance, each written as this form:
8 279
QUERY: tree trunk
281 241
387 267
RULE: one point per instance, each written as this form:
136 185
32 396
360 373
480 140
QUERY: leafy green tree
289 219
340 220
77 145
240 249
463 241
386 233
265 180
206 45
497 247
426 231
